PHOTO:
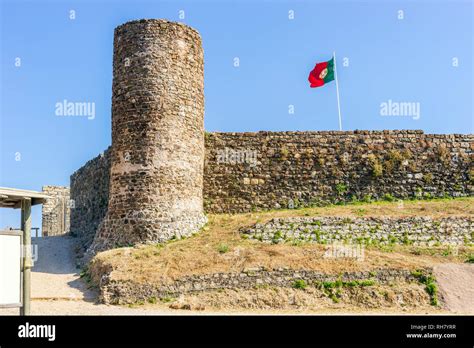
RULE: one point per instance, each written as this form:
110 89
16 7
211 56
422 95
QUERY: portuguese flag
321 74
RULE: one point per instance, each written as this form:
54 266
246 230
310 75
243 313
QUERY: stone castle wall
56 211
125 292
420 230
157 152
90 196
271 170
267 170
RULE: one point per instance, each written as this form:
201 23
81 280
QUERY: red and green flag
321 74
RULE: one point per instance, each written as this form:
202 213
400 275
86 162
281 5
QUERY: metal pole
337 89
28 263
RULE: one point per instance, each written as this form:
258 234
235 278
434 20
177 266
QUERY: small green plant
432 290
392 239
367 198
430 285
284 153
361 283
334 297
223 248
388 197
167 299
377 170
395 156
333 289
152 300
85 275
376 167
428 178
277 236
317 234
470 258
299 284
406 240
443 154
394 161
341 189
471 176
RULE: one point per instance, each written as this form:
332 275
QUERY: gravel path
456 287
55 275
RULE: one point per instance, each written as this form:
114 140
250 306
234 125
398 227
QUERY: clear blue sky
408 60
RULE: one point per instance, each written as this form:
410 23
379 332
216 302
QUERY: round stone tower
157 154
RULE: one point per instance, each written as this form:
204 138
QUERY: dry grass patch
403 297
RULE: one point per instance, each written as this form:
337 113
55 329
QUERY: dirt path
456 290
55 275
56 286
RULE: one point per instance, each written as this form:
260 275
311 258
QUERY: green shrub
223 248
432 290
443 154
284 153
361 283
341 189
276 237
388 197
299 284
167 299
471 176
376 167
152 300
392 239
394 160
428 178
430 285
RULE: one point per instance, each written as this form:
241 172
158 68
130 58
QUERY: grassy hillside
220 248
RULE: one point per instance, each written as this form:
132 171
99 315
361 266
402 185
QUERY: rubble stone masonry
268 170
157 152
56 211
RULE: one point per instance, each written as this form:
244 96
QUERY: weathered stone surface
271 170
312 180
56 211
408 230
157 152
118 292
90 195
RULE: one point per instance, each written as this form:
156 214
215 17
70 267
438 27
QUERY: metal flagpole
337 89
